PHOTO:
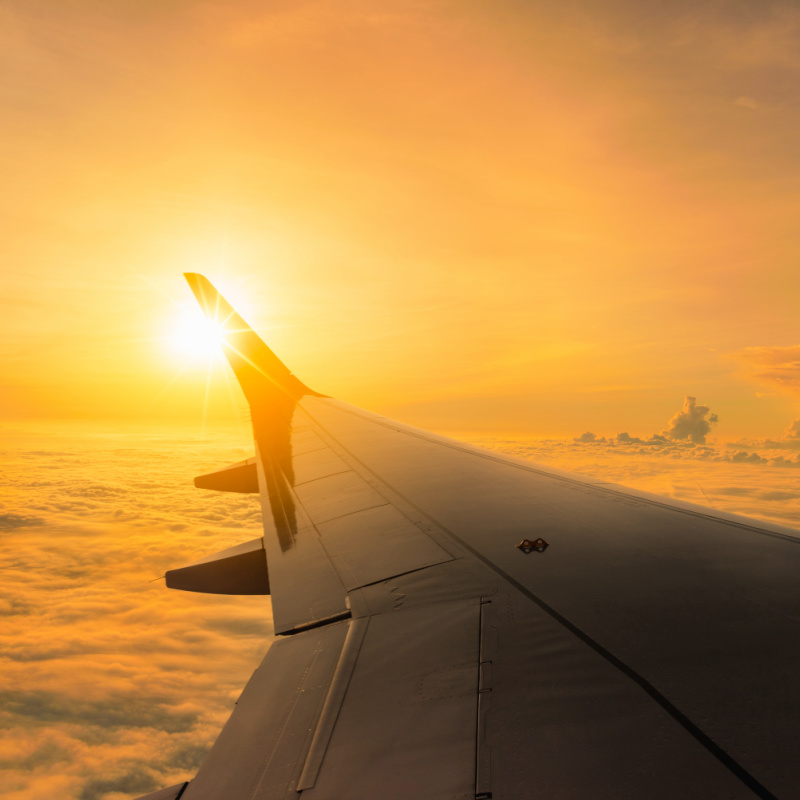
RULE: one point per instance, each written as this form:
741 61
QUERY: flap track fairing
238 570
240 477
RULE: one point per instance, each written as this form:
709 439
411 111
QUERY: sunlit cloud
689 426
10 521
775 366
111 683
792 433
691 423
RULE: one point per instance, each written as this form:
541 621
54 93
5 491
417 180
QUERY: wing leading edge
649 651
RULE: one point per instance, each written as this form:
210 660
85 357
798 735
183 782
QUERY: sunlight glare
195 336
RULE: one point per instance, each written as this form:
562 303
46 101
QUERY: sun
194 336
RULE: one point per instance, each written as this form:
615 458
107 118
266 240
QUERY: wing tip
251 359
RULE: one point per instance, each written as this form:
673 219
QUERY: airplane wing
455 623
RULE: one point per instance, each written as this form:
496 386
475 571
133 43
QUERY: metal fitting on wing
527 546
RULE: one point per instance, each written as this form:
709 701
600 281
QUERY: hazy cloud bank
10 521
110 684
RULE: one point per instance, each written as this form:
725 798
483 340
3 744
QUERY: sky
512 218
567 231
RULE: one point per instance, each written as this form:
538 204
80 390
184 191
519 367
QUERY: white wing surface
631 647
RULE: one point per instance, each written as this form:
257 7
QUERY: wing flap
306 722
422 743
262 748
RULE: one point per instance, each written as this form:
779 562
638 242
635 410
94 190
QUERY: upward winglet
259 371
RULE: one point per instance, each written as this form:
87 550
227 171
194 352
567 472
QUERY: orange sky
518 217
512 218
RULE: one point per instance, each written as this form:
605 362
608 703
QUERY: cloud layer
111 685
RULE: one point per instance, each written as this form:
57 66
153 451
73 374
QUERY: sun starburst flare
194 336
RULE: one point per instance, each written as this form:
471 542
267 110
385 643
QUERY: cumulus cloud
793 431
689 426
684 441
589 437
789 441
691 423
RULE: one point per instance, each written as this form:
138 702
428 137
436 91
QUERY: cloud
691 422
789 441
111 685
11 521
793 431
778 367
589 437
743 457
683 442
136 782
125 710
